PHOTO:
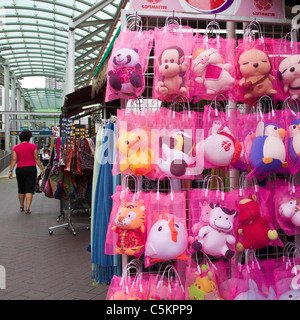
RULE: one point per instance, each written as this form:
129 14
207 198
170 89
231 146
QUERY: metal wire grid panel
231 178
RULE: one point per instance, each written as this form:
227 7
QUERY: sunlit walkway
39 265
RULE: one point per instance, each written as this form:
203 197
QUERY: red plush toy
253 228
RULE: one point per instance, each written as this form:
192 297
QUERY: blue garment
103 266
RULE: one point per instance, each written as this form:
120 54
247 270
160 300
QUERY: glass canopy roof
34 41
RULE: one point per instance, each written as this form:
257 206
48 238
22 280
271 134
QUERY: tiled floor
40 266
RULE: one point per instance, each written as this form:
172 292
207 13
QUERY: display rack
230 27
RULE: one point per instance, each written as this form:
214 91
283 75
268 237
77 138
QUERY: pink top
25 154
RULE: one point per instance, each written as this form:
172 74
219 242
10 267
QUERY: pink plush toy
209 69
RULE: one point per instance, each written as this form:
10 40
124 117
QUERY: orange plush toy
130 227
256 70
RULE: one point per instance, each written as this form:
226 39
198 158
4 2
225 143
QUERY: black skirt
26 178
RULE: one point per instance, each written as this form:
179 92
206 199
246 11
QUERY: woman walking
26 156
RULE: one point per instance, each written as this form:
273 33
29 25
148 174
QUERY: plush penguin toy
268 153
294 140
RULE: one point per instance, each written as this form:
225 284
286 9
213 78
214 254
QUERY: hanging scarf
103 266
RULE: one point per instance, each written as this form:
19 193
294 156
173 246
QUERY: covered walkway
40 266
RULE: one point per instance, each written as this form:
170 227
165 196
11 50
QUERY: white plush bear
291 211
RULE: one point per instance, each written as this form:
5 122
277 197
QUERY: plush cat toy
210 70
256 69
253 228
291 211
136 156
126 76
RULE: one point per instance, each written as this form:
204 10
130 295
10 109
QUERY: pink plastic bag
287 208
268 150
212 71
287 57
167 237
201 282
172 51
135 143
130 286
176 139
291 112
166 286
219 147
287 274
218 237
253 281
255 229
254 67
128 64
126 233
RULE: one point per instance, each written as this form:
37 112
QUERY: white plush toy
214 238
167 239
291 211
209 70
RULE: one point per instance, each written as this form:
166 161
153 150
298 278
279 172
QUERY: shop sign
33 132
240 8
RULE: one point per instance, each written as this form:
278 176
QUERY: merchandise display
207 242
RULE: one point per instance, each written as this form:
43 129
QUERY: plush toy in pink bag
253 228
172 67
289 75
209 70
215 238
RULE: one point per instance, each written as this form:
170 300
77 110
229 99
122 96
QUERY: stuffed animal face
125 58
249 210
131 215
294 128
130 141
202 286
275 131
167 238
204 57
289 74
170 61
254 63
221 218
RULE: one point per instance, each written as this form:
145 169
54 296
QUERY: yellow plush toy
136 154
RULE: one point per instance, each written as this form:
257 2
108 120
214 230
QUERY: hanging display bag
212 71
287 207
86 156
166 286
175 146
128 62
126 231
254 67
216 236
255 229
219 147
130 286
135 141
167 237
287 57
291 110
268 149
172 52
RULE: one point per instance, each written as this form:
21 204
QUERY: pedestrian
26 156
46 156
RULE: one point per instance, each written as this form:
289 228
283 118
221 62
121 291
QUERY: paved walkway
40 266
